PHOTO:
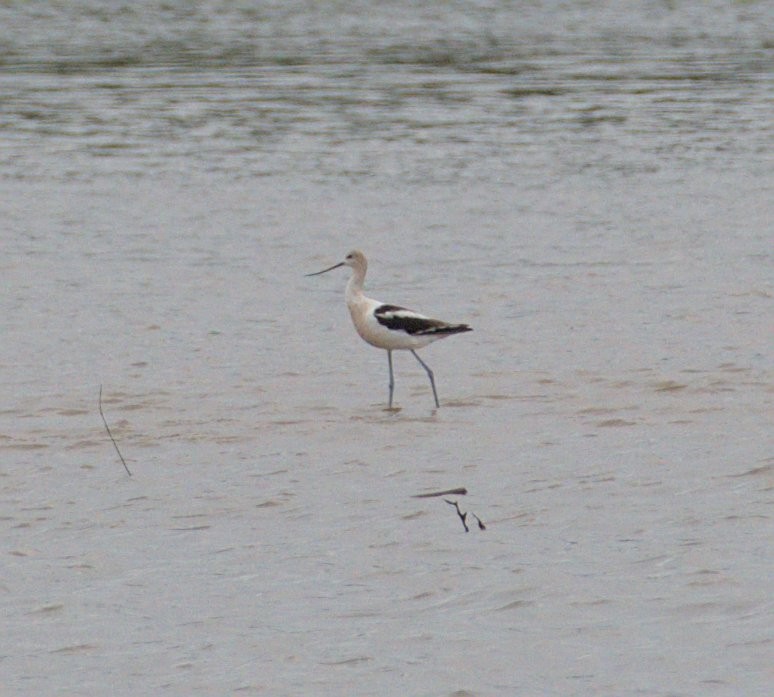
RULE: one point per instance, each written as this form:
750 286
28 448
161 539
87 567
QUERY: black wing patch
400 319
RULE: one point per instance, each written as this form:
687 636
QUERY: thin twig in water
107 428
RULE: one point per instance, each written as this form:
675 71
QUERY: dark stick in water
107 428
449 492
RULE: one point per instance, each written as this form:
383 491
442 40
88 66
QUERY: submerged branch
480 522
462 515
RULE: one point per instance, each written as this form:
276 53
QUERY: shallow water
590 188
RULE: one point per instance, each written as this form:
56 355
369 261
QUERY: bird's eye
349 256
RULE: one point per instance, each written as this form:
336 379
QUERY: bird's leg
429 374
392 379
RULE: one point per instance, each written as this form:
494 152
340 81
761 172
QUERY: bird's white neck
354 291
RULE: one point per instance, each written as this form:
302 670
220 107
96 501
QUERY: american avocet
390 327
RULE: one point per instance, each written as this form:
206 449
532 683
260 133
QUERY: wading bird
390 327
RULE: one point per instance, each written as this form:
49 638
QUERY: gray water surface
588 185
